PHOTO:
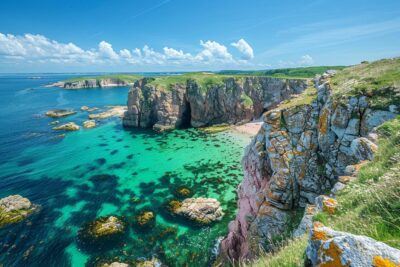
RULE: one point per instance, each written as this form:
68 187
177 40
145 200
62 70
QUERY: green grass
291 254
129 78
379 81
246 100
289 73
389 145
305 98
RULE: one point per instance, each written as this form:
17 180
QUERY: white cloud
213 51
106 50
38 49
244 48
306 60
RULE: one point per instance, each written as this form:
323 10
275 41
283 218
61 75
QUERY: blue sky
186 35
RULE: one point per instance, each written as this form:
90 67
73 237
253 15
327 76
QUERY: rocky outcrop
298 154
106 226
234 100
89 124
113 111
332 248
70 126
199 210
58 113
91 83
14 209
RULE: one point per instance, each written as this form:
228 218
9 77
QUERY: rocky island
116 80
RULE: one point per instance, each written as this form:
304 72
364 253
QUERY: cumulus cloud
39 49
306 60
244 48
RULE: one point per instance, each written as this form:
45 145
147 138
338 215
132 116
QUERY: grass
379 81
305 98
289 73
291 254
246 100
129 78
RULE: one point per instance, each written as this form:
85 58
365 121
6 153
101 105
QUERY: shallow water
98 172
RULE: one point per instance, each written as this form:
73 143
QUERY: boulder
58 113
89 124
54 122
200 210
84 108
70 126
327 204
363 149
327 247
154 262
14 208
145 218
106 226
115 264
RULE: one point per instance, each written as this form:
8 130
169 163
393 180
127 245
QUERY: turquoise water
98 172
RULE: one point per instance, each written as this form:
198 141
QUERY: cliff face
92 83
234 100
297 155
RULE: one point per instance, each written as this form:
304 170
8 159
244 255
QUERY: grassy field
379 81
289 73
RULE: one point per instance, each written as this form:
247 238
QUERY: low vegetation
289 73
216 128
379 81
305 98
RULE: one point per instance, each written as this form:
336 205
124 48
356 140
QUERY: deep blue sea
61 176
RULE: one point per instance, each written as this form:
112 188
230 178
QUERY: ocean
107 170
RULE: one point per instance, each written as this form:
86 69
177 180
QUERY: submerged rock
106 226
200 210
84 108
14 208
89 124
114 111
54 122
327 247
154 262
58 113
145 218
70 126
183 192
115 264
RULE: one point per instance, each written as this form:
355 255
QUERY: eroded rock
70 126
105 226
59 113
327 247
200 210
89 124
14 209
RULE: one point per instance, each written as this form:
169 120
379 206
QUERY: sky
193 35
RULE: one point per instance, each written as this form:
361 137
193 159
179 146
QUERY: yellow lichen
323 122
333 253
329 205
345 179
379 261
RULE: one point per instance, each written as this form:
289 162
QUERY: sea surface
105 171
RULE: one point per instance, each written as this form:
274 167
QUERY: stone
115 264
54 122
183 192
84 108
114 111
154 262
14 209
327 247
363 149
326 204
89 124
344 179
105 226
393 109
58 113
70 126
145 219
337 187
352 170
200 210
306 222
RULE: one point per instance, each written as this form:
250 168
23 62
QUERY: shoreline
249 129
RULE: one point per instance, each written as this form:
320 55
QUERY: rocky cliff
302 148
196 103
91 83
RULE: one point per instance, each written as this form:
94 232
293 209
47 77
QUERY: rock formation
89 124
332 248
14 209
200 210
105 226
91 83
58 113
234 100
70 126
298 154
